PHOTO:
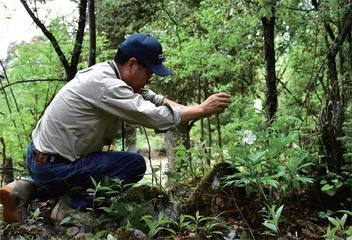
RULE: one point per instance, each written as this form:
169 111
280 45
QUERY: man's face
140 76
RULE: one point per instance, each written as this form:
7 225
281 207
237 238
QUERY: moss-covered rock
145 193
209 190
124 233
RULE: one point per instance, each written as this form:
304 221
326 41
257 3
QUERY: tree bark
79 39
270 73
332 116
92 33
171 139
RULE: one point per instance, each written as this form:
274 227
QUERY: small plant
157 226
36 216
270 163
199 225
103 190
331 187
272 217
339 231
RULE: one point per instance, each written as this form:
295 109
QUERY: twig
34 80
244 219
149 155
3 158
173 20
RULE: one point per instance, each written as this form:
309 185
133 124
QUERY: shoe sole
9 205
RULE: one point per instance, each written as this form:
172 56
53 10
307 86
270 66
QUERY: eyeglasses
147 70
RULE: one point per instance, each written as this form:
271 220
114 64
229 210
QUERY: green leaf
304 179
343 220
278 213
334 221
93 181
243 235
173 175
346 211
167 229
323 182
256 157
120 209
104 189
36 213
106 209
326 187
111 237
271 226
65 220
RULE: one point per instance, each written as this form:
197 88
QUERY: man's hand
216 103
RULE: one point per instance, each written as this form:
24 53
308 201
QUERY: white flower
294 145
249 137
258 105
216 183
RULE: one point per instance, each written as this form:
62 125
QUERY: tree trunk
131 137
79 39
270 74
92 33
332 117
171 139
210 141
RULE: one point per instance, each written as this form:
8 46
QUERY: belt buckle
41 158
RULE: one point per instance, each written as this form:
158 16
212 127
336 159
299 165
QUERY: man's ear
131 62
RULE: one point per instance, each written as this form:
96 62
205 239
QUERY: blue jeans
57 179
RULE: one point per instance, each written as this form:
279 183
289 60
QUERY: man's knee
142 167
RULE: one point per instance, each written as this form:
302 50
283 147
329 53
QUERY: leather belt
43 158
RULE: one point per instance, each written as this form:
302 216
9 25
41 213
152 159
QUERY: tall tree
70 68
332 116
269 55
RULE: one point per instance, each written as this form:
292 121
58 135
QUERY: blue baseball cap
147 50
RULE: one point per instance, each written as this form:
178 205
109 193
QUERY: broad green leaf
326 187
270 226
65 220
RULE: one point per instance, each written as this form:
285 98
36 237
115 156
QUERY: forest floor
201 208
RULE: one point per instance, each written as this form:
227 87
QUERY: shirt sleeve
151 96
119 100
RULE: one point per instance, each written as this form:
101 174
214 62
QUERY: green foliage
193 162
331 187
271 217
199 225
36 216
270 160
339 230
104 189
158 225
132 15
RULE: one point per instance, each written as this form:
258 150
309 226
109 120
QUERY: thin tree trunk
79 39
92 33
210 140
332 117
270 73
218 130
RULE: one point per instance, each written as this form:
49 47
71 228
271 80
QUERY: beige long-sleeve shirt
85 113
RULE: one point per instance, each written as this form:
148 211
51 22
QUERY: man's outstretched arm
216 103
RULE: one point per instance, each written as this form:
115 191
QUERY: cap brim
159 70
